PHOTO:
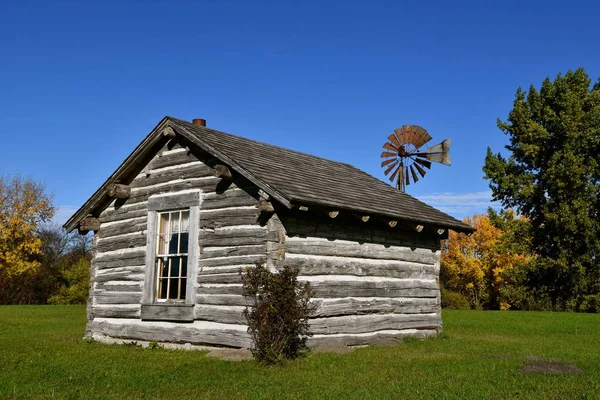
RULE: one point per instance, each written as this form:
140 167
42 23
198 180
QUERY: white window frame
167 255
160 309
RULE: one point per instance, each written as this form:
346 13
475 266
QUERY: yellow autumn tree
24 205
473 265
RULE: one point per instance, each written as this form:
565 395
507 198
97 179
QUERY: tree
24 205
552 176
474 265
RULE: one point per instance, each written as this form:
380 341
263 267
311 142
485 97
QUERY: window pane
173 288
185 221
183 284
174 266
162 288
175 222
173 249
184 261
183 248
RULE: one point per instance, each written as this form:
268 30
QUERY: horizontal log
169 160
115 263
120 274
220 278
104 297
249 260
197 332
368 339
167 312
222 314
127 210
127 311
340 289
223 299
120 288
325 265
311 246
223 202
121 242
204 184
136 225
233 239
219 221
220 289
373 323
149 178
358 306
232 251
119 259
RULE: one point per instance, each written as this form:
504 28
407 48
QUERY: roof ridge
177 120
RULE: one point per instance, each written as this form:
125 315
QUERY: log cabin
190 206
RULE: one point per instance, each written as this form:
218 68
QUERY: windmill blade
420 169
421 161
409 134
388 161
414 174
422 137
400 135
406 177
391 167
393 176
390 146
386 154
392 138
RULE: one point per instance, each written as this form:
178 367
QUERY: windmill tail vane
403 158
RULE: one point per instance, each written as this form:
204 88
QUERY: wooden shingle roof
290 177
306 179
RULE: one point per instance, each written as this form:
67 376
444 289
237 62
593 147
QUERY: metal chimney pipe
199 121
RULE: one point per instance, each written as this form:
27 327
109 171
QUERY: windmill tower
403 157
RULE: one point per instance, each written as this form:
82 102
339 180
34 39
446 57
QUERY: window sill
167 312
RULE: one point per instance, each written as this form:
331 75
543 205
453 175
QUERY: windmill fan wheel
404 159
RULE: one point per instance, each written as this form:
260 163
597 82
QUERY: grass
42 355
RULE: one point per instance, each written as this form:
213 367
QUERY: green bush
454 300
278 318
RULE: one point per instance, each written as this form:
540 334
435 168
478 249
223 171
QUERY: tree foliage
474 265
39 261
552 176
23 206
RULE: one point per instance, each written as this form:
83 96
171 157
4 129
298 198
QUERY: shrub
278 318
454 300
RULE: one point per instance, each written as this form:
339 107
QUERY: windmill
403 157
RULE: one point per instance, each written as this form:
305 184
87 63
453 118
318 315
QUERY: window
172 255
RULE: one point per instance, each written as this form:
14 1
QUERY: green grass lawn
42 355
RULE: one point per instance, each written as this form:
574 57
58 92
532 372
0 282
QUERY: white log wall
370 281
231 236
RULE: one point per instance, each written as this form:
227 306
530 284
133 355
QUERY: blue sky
82 83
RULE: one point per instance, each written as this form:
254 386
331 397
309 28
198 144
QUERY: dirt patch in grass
543 365
231 354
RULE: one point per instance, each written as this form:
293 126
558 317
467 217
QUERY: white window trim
169 202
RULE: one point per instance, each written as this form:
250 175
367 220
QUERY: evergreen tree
552 176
